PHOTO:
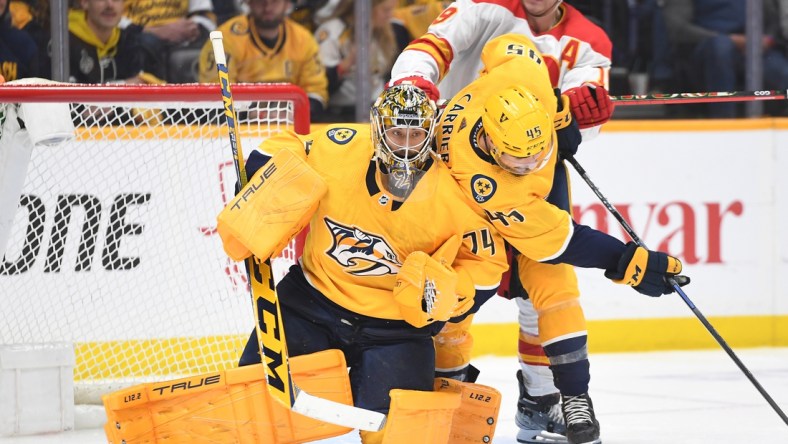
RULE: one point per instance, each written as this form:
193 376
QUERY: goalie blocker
278 200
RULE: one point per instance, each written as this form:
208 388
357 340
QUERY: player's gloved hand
423 84
647 271
426 288
590 104
568 132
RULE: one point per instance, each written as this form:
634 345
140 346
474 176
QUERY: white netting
113 246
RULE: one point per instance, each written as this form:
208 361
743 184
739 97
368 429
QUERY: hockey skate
581 424
539 418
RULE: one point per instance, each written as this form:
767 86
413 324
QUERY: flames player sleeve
457 28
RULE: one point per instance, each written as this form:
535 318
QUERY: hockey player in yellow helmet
519 130
501 136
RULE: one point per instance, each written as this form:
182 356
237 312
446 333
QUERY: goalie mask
403 123
520 131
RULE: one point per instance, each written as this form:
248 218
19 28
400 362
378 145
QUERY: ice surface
682 397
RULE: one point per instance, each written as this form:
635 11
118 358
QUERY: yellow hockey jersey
293 59
359 236
417 17
515 205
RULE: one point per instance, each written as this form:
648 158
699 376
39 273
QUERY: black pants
382 354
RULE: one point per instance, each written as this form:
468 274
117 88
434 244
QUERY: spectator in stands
172 34
18 51
310 13
708 38
266 47
784 18
336 37
417 17
99 51
225 10
32 17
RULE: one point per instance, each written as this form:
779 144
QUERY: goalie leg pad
416 417
272 208
227 406
476 418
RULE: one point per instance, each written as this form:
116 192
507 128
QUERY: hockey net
113 244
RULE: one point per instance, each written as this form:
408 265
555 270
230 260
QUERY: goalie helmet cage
113 245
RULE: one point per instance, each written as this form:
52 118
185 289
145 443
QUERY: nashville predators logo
362 254
239 28
341 136
483 188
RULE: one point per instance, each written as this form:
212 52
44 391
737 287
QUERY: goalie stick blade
337 413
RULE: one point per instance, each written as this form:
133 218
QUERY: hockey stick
698 97
270 333
672 282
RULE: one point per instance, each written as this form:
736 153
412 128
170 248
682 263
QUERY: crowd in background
662 46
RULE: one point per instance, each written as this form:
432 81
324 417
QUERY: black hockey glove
567 130
647 271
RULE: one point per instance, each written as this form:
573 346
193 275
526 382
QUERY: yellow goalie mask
403 123
520 130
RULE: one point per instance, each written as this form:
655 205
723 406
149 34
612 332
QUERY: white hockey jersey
576 50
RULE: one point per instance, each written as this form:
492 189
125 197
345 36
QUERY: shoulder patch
341 136
239 28
483 188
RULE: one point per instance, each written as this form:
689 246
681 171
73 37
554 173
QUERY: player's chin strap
672 281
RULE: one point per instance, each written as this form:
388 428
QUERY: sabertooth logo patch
360 253
341 136
483 188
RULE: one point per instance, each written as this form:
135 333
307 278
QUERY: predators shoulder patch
341 136
239 28
483 188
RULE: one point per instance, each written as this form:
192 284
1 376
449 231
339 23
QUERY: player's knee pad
417 417
477 416
227 406
453 345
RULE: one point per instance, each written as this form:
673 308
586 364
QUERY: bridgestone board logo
67 205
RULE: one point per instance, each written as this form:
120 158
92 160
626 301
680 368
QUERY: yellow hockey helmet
518 125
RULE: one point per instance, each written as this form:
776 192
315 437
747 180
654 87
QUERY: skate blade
543 437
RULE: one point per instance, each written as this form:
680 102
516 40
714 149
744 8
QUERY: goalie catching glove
647 271
426 288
